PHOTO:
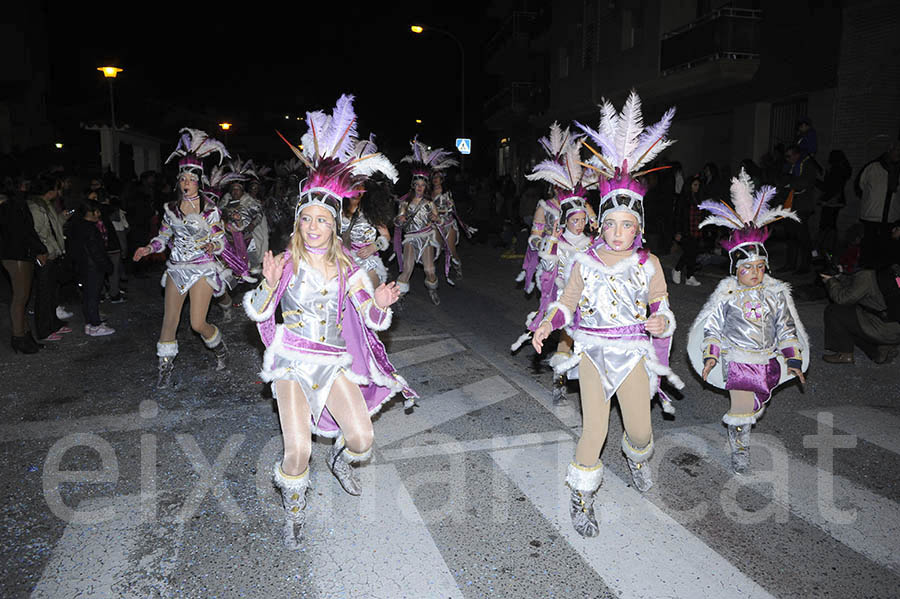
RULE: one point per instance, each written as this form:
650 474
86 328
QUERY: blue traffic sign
464 145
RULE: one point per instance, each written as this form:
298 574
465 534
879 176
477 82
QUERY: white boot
676 276
166 353
339 462
293 497
637 458
584 482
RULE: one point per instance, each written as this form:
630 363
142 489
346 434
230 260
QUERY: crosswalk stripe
455 447
394 425
875 426
643 552
425 353
376 545
93 560
868 527
568 413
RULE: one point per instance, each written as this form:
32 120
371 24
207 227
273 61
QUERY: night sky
263 59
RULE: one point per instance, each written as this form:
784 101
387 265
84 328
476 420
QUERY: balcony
724 35
515 32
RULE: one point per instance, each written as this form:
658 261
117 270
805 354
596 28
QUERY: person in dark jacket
687 231
20 250
836 176
92 263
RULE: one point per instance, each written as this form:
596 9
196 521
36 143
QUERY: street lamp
110 74
58 145
418 121
225 126
418 30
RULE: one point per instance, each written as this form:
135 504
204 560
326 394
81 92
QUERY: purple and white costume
362 234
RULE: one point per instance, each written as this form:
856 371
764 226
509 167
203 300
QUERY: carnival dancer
329 372
364 220
616 309
557 146
414 224
192 229
449 223
748 338
558 249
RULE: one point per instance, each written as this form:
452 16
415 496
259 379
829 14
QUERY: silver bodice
310 307
752 319
551 216
188 235
444 205
363 232
615 296
418 217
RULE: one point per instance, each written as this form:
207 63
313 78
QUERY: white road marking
875 426
505 442
425 353
642 552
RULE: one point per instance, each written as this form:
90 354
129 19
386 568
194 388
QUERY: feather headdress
564 169
748 219
193 146
624 146
220 178
338 162
426 162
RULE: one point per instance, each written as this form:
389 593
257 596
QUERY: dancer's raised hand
386 294
542 332
272 268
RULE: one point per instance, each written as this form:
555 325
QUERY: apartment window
783 124
563 54
632 27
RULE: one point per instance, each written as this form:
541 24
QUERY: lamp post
226 127
110 74
418 30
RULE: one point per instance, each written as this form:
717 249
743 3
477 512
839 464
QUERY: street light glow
417 28
418 121
225 126
58 145
109 72
287 116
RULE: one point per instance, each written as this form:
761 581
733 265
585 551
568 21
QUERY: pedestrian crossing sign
464 145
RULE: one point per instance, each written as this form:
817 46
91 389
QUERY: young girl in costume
448 224
748 338
329 372
364 222
559 144
416 219
616 309
559 248
192 230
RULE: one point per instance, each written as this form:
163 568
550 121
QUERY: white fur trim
520 341
385 322
252 312
520 277
636 454
403 287
670 326
431 285
559 358
167 349
349 456
534 242
277 348
215 340
567 314
361 279
619 267
644 347
382 243
742 419
288 483
584 479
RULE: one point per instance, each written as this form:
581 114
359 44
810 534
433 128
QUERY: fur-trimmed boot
559 390
638 462
293 497
227 311
166 352
340 460
457 269
739 438
584 482
399 305
217 344
432 292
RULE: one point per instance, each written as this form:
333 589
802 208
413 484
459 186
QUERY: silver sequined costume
418 230
362 234
187 236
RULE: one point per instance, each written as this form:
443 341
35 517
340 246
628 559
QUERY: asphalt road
114 489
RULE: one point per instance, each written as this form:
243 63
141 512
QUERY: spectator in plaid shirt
687 231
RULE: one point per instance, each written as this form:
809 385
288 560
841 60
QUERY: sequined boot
432 292
638 462
584 482
166 353
293 497
457 269
739 438
217 344
559 390
339 462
